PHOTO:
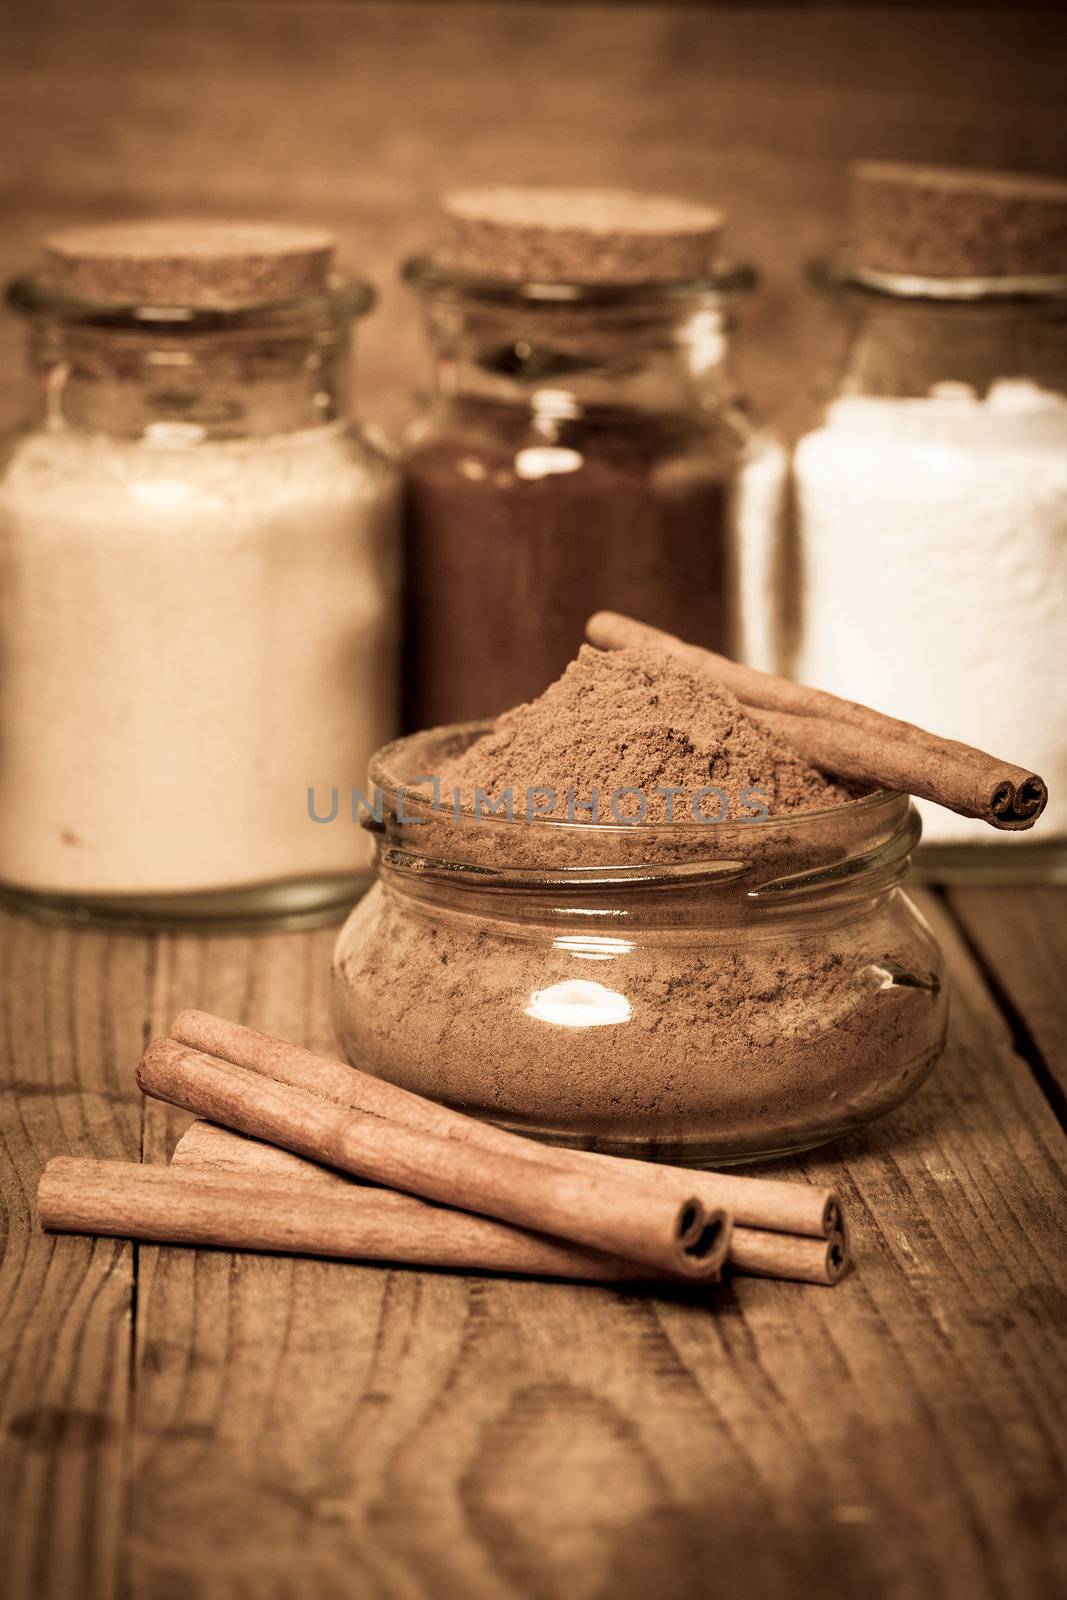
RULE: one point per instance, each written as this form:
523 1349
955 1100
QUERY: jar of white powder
932 501
197 579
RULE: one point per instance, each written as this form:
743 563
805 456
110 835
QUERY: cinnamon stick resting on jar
851 740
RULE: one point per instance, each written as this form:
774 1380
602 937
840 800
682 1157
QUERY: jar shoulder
371 448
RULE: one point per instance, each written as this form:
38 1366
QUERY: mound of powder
639 720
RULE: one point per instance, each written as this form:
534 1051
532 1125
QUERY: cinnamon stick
752 1251
206 1144
852 740
604 1212
756 1202
249 1210
786 1255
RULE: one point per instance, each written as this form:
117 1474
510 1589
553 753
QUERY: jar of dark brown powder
584 445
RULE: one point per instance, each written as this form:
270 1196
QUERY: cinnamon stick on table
616 1214
256 1210
852 740
753 1251
756 1202
759 1254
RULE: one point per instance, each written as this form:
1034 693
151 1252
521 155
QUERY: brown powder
505 561
640 720
716 1043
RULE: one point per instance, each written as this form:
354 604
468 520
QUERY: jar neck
161 379
560 361
906 348
832 862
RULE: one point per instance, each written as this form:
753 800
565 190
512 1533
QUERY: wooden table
181 1424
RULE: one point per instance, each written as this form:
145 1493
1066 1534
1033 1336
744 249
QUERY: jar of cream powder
198 589
701 994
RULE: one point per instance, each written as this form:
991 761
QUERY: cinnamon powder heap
641 720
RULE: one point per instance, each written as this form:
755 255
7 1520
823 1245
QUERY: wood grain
309 1429
1020 936
71 1015
356 115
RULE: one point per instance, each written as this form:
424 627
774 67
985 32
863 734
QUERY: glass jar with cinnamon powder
198 579
698 993
584 445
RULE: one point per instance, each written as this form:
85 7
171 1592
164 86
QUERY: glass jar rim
831 275
32 296
861 846
433 278
771 858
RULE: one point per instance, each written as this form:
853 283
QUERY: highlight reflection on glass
578 1003
592 946
546 461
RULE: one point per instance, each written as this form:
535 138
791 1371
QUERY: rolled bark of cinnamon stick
755 1202
852 740
603 1212
770 1203
255 1210
752 1251
785 1255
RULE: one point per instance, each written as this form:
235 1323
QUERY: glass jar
698 993
931 525
584 447
198 608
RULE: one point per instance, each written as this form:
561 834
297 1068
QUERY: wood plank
71 1012
1021 938
233 1423
308 1429
356 115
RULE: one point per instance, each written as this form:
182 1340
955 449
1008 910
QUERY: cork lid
956 222
532 234
189 262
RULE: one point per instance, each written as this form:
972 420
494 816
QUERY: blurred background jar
931 502
584 445
199 589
